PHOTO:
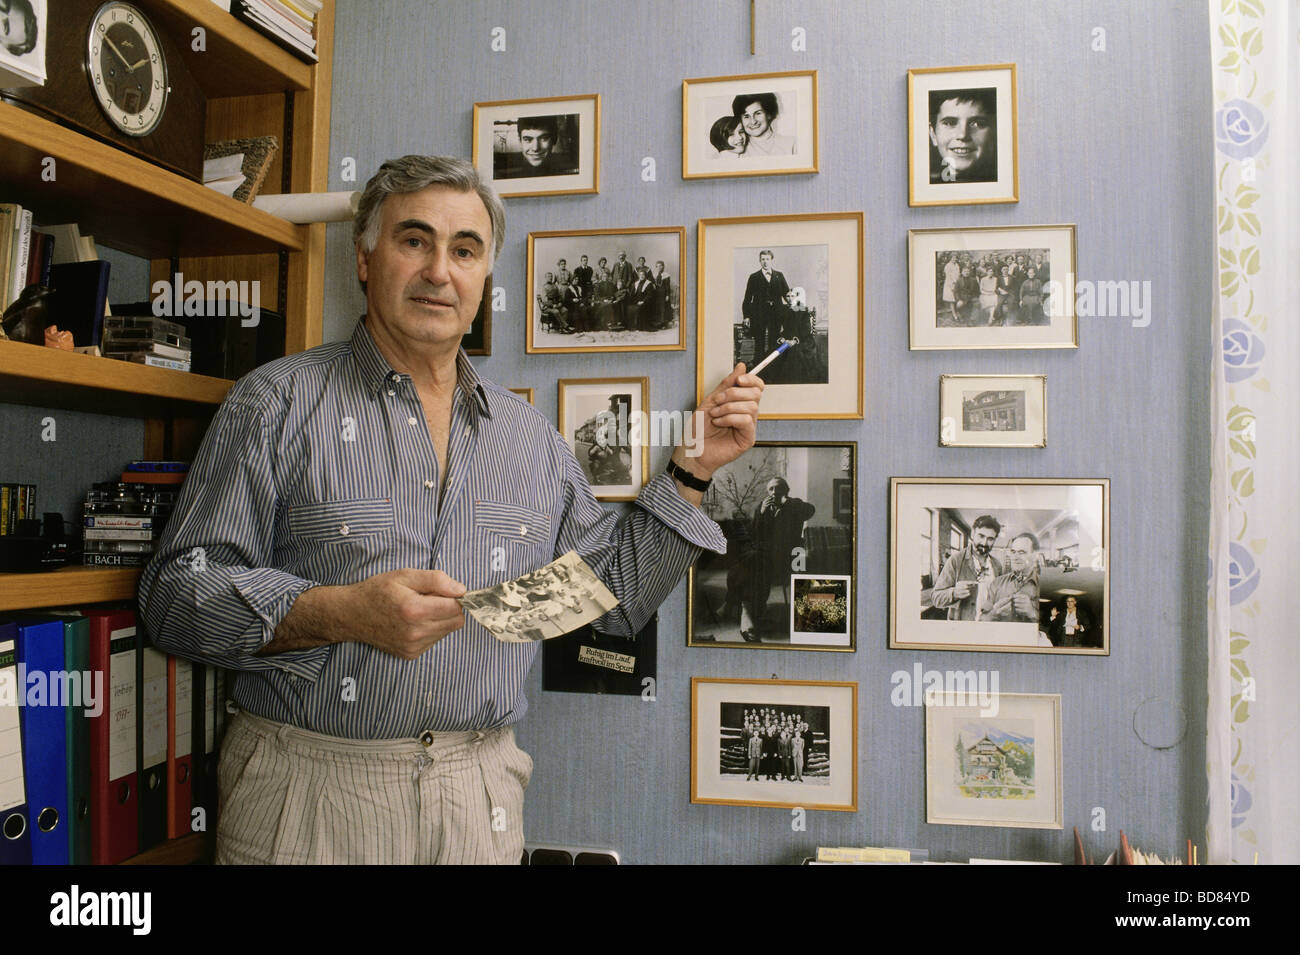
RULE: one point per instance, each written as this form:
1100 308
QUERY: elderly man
343 499
1013 596
964 572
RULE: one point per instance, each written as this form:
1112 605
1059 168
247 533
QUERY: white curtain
1253 715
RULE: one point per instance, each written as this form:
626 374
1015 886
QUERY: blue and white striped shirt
319 469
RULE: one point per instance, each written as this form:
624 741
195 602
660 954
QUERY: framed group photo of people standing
539 147
759 125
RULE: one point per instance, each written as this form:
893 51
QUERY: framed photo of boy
796 280
1003 564
784 743
764 124
992 287
539 147
993 411
603 419
961 135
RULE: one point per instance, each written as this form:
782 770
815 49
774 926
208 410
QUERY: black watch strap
687 478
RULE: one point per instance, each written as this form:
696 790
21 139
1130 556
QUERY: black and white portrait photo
992 287
763 124
545 603
775 743
22 43
602 419
776 506
541 147
962 135
783 293
535 146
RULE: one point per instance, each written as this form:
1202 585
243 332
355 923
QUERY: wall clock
127 69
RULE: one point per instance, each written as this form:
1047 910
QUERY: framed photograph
995 765
759 125
765 281
589 661
525 393
539 147
786 580
993 411
993 287
961 135
784 743
597 290
602 419
478 340
1000 564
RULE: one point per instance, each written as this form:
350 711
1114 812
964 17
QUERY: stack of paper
290 23
225 175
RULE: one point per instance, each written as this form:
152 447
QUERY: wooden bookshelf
187 850
69 586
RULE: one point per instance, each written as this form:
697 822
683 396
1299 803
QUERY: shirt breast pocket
518 537
339 522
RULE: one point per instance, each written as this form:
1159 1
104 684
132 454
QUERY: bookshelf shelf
71 585
187 850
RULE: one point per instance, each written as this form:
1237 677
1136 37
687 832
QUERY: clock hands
135 66
113 46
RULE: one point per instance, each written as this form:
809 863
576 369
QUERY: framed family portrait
1000 564
599 290
539 147
961 135
795 280
993 411
995 765
785 743
764 124
787 578
603 421
992 287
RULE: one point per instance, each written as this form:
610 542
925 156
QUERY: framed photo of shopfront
605 290
961 135
764 124
783 743
992 287
787 578
993 411
796 280
603 419
1005 564
539 147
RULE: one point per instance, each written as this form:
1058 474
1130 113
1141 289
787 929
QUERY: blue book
15 839
45 737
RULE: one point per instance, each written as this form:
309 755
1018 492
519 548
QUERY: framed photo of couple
759 125
539 147
1000 564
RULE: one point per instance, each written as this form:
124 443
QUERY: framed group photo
961 135
992 287
1000 564
998 765
784 743
604 290
764 124
787 578
993 411
796 280
539 147
603 419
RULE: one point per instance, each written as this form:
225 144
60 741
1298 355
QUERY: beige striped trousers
292 796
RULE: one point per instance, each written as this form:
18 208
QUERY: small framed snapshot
1001 564
525 393
764 124
539 147
993 287
997 763
782 743
601 290
601 418
786 580
961 135
993 411
796 280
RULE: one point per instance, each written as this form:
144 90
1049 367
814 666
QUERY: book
67 242
22 252
81 291
155 477
158 466
10 212
40 259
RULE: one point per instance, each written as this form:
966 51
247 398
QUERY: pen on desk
770 358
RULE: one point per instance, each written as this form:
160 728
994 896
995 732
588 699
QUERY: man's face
755 119
1022 554
659 269
13 27
622 257
560 265
426 274
983 540
764 261
1070 604
537 145
584 260
774 491
962 132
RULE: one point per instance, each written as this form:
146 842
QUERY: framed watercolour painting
961 135
539 147
759 125
787 743
601 418
993 411
796 280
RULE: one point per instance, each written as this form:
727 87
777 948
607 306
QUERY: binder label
12 791
121 730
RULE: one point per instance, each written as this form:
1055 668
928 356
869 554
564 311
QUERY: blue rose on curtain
1240 129
1241 801
1243 575
1243 350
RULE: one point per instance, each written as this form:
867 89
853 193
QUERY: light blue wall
1115 141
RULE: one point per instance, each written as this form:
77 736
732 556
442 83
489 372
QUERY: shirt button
391 392
344 529
428 484
523 530
410 420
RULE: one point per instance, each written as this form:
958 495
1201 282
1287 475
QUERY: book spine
5 491
115 560
9 211
105 522
22 254
118 534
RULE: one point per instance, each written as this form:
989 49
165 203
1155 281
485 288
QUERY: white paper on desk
549 602
307 207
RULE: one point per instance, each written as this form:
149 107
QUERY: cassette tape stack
146 340
122 523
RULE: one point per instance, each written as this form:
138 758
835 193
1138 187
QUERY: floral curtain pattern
1253 712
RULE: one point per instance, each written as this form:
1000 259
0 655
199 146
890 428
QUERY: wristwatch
687 478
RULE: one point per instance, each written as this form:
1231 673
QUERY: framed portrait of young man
604 421
764 124
961 135
539 147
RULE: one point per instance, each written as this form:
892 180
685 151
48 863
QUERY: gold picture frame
993 411
783 105
525 393
560 156
590 417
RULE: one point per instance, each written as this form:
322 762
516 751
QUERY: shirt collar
376 372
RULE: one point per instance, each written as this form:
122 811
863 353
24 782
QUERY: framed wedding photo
961 135
992 287
782 743
765 281
604 290
764 124
539 147
786 579
997 763
602 419
993 411
1005 564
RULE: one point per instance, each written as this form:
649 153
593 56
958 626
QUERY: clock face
127 69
